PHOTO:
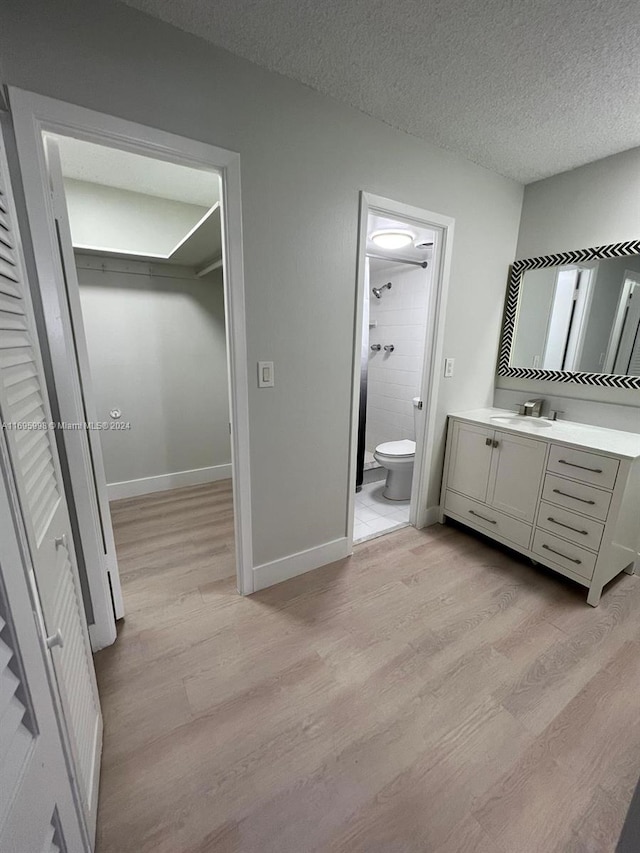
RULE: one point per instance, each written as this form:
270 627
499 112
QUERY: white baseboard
297 564
164 482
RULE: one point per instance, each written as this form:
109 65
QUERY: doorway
216 276
570 302
146 303
404 259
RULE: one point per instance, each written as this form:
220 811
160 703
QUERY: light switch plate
265 374
449 364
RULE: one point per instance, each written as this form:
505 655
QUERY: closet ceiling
150 209
111 167
525 89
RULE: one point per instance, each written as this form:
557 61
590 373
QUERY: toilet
398 457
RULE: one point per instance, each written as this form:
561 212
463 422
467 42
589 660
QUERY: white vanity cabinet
566 495
500 469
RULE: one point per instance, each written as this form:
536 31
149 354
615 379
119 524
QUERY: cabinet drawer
582 465
552 550
480 515
583 531
577 496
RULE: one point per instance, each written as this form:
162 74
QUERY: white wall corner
164 482
297 564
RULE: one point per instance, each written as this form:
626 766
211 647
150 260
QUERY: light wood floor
430 694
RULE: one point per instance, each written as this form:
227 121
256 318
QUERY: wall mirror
575 317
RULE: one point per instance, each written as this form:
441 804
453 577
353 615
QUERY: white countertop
613 441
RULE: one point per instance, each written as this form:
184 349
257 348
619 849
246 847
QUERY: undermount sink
521 420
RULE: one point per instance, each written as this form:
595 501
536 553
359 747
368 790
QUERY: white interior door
37 807
24 406
579 321
84 449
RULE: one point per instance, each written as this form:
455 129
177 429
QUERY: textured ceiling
525 88
99 164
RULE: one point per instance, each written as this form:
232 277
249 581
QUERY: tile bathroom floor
375 515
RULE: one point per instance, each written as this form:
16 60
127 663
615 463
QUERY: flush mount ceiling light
391 240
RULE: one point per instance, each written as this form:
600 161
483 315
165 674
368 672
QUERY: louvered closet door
24 406
37 809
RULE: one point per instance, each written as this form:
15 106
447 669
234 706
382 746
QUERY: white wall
304 160
590 206
117 220
157 352
395 378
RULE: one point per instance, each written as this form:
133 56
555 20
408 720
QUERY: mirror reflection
580 317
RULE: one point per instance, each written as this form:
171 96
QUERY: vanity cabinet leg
631 569
595 591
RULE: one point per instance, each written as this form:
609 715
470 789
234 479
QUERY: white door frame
34 115
420 514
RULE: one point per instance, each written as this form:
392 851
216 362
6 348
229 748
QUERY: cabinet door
517 466
470 460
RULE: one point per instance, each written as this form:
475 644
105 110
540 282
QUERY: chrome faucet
531 409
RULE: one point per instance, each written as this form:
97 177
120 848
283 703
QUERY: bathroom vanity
565 494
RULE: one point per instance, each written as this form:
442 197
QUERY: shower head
377 291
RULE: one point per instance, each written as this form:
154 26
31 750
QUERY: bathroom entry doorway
149 246
404 257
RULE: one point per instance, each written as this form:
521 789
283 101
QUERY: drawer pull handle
564 556
488 442
573 497
582 467
568 526
477 514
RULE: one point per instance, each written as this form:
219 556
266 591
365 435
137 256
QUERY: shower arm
377 291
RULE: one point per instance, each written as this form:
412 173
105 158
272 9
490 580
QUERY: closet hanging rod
422 264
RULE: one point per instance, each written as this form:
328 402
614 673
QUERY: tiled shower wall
394 379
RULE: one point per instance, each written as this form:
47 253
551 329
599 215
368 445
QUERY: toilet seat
397 449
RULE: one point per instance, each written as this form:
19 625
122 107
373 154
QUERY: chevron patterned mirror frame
610 380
